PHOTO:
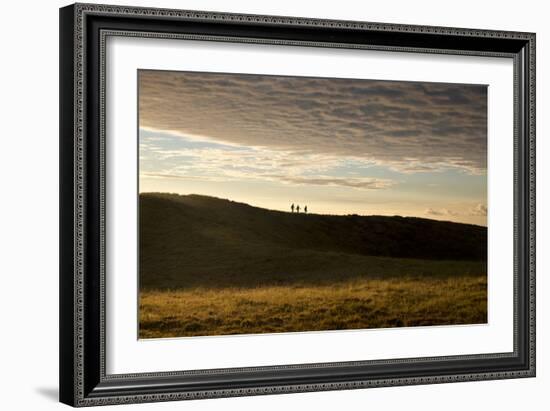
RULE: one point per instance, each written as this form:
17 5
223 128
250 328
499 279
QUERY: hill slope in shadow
199 241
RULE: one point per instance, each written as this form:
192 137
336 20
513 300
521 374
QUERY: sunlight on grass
354 304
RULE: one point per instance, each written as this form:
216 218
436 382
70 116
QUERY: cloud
479 210
431 211
410 127
365 183
441 212
193 158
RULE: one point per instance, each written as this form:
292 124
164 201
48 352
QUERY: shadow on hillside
197 241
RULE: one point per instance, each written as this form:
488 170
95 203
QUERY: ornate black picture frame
83 31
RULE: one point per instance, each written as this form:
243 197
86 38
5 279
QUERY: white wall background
29 205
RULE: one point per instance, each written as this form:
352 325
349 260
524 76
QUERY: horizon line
304 213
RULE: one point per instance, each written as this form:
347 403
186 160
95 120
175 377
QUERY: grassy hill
211 267
198 241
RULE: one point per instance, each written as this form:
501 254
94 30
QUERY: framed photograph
262 204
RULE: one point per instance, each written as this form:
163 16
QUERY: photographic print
272 204
267 205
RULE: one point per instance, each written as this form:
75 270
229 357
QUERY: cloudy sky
339 146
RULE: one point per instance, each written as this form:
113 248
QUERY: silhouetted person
292 207
297 208
305 209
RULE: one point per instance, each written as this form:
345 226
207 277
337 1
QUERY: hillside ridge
210 201
191 240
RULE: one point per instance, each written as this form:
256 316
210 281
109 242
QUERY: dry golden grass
353 304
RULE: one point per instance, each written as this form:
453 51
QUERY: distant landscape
211 266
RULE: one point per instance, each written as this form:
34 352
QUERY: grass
213 267
355 304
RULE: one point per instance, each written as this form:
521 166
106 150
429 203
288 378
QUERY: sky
339 146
